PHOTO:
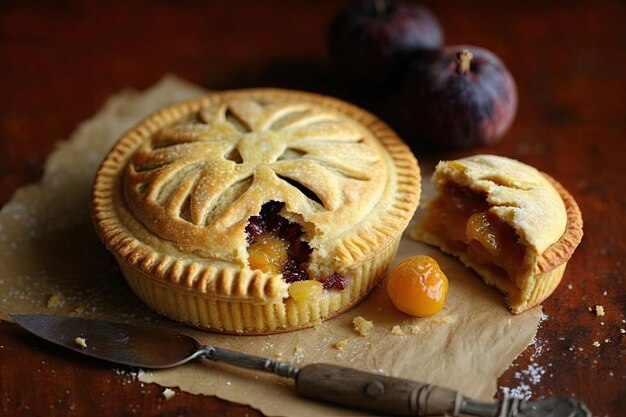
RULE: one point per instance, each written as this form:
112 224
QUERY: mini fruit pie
515 226
255 211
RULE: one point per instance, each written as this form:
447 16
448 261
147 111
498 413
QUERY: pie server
148 347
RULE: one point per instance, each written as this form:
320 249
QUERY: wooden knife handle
374 392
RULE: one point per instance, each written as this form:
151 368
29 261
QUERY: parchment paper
51 261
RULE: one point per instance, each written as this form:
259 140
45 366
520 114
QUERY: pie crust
515 226
174 199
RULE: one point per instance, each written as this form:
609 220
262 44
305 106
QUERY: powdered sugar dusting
527 378
537 341
531 375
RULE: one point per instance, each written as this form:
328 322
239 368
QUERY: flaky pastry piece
255 211
515 226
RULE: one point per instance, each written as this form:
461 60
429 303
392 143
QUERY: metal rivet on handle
374 389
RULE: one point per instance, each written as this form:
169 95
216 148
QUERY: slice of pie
255 211
515 226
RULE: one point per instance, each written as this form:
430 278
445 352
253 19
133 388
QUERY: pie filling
462 219
275 245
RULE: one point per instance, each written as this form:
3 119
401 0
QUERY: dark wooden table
60 61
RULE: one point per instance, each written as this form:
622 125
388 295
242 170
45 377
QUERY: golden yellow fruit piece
268 253
302 291
480 228
418 286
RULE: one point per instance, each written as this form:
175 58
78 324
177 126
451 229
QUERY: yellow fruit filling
461 217
305 291
268 253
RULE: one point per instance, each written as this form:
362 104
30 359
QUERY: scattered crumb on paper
445 319
298 354
340 344
397 331
362 326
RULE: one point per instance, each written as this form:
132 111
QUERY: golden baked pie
255 211
515 226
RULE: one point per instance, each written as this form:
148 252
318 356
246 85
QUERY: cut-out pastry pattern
211 169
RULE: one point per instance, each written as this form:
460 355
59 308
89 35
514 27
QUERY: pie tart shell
226 299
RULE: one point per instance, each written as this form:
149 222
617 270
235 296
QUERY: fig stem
464 61
380 6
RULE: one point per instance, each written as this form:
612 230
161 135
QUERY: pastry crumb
596 343
362 326
278 355
622 331
79 341
168 394
55 300
607 340
599 311
298 354
397 331
340 344
415 329
446 319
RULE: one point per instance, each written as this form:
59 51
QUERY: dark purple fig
459 97
370 42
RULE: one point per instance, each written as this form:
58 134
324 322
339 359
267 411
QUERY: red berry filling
336 281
